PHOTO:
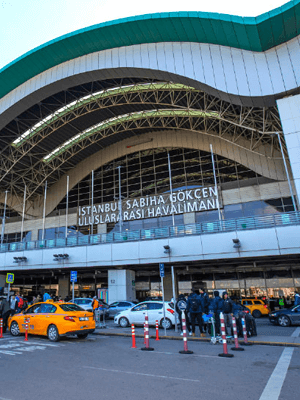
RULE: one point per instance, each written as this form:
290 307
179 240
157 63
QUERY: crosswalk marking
14 347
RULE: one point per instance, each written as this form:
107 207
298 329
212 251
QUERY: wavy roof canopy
249 33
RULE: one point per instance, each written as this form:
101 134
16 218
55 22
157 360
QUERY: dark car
286 317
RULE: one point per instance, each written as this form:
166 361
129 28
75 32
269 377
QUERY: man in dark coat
215 307
181 305
5 310
195 306
227 310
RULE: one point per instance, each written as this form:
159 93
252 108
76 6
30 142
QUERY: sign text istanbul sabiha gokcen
183 201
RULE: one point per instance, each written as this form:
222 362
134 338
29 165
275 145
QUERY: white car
136 314
84 302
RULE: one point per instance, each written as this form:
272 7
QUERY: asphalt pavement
106 367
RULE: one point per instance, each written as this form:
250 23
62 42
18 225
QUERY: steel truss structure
39 148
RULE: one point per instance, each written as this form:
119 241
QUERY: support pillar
64 286
289 111
121 285
168 288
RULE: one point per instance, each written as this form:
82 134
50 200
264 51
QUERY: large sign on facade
179 202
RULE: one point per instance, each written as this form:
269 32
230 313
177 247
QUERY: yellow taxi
257 307
53 320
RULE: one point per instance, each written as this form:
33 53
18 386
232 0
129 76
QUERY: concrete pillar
189 218
121 285
34 234
101 228
289 111
168 288
64 286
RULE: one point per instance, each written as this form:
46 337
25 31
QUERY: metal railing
203 228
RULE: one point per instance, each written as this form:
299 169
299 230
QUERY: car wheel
14 329
168 323
283 320
53 334
82 335
256 314
123 322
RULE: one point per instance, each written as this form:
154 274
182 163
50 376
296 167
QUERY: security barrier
247 223
235 335
185 345
223 332
147 346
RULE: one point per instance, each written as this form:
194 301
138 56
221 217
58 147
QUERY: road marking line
194 355
2 398
139 373
276 380
41 343
296 332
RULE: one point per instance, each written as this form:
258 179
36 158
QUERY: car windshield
82 301
71 307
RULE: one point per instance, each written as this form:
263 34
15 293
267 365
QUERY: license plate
83 318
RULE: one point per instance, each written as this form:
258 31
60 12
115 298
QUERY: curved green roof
250 33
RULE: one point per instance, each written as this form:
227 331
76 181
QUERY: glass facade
146 173
16 237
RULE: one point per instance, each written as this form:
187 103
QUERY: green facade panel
256 34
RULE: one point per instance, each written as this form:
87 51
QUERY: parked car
136 314
256 306
53 320
85 303
286 317
119 306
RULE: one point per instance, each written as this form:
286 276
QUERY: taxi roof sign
10 278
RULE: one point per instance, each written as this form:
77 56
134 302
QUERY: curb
259 342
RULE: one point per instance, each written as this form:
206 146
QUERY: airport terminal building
167 138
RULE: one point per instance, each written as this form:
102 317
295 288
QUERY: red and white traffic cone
245 343
156 328
236 340
145 333
26 330
133 337
1 328
185 345
147 347
223 332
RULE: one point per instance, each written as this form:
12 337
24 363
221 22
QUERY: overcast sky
26 24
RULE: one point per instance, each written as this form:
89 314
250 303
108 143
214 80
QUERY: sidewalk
288 341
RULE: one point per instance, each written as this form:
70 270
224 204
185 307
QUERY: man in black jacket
195 306
227 310
5 311
181 305
215 307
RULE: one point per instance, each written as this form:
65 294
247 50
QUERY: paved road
264 328
103 367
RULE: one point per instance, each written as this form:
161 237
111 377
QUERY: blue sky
26 24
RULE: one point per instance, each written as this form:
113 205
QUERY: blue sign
10 278
73 277
162 270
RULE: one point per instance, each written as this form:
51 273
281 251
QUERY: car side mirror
295 310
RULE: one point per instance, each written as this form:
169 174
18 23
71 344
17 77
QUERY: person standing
46 296
215 307
95 305
297 300
13 304
195 306
5 313
227 311
181 305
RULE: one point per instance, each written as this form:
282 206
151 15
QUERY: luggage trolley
214 339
